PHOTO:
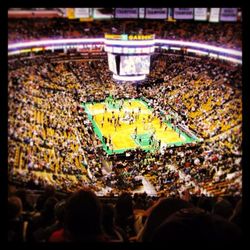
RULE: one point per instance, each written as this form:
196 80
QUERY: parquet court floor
145 130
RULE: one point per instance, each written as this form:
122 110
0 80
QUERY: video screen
112 63
134 65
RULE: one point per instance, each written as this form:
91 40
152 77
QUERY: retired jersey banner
214 15
228 14
102 13
156 13
183 13
200 14
82 12
141 12
126 12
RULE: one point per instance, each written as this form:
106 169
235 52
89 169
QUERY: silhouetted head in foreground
195 224
83 216
160 212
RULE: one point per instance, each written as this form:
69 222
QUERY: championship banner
183 13
214 15
102 13
70 13
126 12
228 14
82 12
156 13
200 14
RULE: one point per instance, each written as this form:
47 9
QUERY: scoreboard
134 65
129 55
129 44
129 50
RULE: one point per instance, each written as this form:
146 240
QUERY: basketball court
127 124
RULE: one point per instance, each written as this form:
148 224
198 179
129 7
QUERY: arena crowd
52 145
219 34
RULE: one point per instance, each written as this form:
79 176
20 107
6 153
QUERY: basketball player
135 130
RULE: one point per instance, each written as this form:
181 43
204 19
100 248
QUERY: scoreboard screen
134 65
112 63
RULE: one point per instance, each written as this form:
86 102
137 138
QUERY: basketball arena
117 115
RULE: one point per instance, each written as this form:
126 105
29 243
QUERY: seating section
51 140
223 34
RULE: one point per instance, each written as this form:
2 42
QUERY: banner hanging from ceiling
126 12
200 14
228 14
156 13
183 13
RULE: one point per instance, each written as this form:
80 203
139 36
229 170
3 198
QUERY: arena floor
137 126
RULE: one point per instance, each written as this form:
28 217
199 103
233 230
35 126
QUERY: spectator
124 216
223 208
236 217
194 224
115 233
83 217
37 224
158 213
15 221
48 192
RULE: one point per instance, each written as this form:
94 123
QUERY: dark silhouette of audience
15 220
160 212
84 217
115 233
37 225
191 224
82 220
124 214
223 208
236 217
